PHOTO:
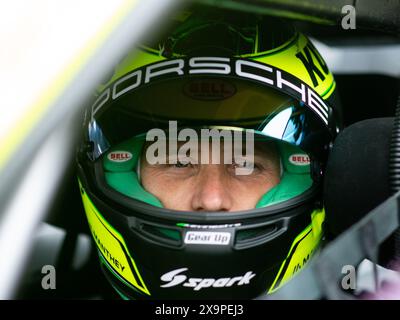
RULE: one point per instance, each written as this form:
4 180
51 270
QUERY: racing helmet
254 78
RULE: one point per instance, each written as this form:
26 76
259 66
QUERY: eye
181 165
255 167
244 164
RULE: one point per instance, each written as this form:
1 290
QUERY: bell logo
299 159
174 278
119 156
211 89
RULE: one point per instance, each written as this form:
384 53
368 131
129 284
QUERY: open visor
187 122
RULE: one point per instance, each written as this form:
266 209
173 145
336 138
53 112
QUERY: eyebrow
265 150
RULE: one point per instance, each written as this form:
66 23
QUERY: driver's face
212 187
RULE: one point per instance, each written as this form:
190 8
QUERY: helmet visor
179 131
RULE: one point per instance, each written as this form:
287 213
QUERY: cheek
249 190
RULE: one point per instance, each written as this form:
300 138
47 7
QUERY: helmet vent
166 236
254 236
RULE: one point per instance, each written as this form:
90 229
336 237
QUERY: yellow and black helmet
220 70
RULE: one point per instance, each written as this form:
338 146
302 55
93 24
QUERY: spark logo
174 278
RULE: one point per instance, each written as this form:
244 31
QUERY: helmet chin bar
144 243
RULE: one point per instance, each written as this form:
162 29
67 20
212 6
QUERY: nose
212 190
